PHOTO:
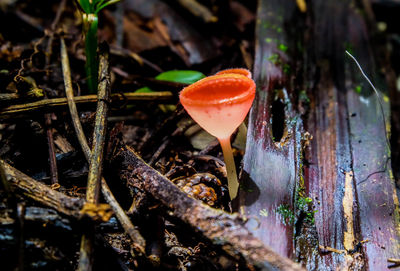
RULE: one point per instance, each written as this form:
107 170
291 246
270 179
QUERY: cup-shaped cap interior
219 103
241 71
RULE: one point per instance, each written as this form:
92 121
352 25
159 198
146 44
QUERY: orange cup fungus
219 104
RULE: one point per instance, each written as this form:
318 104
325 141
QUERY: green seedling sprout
90 10
219 104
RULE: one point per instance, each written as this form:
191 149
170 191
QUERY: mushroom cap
219 103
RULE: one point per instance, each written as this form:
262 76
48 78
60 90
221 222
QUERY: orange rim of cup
214 79
241 71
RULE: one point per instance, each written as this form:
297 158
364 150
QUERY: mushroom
219 104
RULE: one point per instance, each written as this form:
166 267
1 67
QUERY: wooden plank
351 147
346 167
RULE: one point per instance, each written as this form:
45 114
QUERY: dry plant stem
52 153
70 94
99 133
138 240
139 243
47 116
24 185
51 104
233 183
96 158
224 230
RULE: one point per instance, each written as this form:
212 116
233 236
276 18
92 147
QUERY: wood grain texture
270 168
345 168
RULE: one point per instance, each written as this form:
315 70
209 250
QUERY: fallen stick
96 157
51 104
222 229
25 185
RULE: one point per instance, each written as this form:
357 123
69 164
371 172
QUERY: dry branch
52 104
24 185
222 229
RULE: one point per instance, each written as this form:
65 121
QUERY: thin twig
331 249
48 116
51 104
99 133
51 150
71 103
139 242
96 158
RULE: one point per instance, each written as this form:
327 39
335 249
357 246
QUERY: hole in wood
278 119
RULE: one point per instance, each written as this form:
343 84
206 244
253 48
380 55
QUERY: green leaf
103 5
177 76
92 65
85 5
181 76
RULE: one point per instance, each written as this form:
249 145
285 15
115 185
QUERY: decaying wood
349 172
344 165
271 165
23 184
222 229
47 105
